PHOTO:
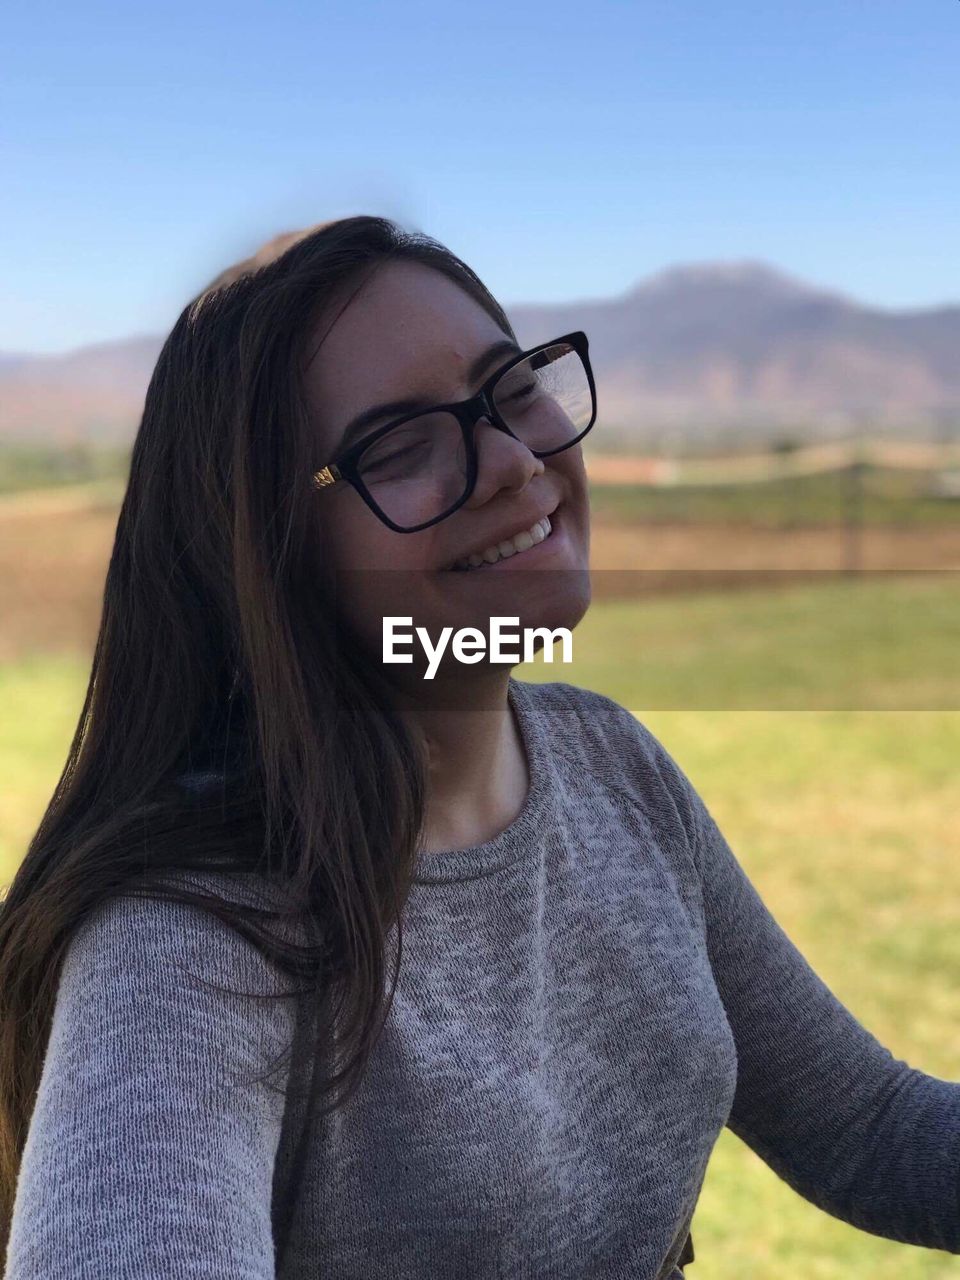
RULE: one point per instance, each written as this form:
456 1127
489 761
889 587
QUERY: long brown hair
214 631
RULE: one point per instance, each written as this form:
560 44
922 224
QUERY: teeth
510 547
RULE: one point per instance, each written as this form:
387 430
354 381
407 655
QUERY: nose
502 463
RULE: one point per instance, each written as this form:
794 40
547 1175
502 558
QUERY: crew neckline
523 834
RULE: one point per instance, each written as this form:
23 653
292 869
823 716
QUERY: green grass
890 497
32 466
828 641
844 819
40 702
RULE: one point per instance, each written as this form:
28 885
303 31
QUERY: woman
257 811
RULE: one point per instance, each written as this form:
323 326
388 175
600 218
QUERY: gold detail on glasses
326 475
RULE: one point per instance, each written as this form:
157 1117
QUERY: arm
858 1132
148 1154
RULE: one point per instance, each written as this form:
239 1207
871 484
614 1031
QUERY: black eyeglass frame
344 467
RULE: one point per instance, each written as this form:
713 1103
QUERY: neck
477 776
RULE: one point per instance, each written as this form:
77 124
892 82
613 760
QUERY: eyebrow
391 408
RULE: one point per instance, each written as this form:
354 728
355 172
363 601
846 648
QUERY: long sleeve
858 1132
149 1152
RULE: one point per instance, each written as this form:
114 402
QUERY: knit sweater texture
584 1002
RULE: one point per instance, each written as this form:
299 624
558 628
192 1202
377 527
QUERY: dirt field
53 558
54 550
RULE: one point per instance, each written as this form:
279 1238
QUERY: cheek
374 570
571 463
372 547
352 539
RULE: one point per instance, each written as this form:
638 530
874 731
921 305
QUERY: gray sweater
575 1023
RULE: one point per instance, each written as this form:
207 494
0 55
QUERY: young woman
203 1068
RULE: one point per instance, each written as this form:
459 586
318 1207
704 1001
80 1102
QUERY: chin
557 597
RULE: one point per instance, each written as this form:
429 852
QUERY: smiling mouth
521 542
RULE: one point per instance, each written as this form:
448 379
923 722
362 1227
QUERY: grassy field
26 466
888 496
844 819
814 642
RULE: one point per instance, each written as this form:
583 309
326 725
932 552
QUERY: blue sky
565 151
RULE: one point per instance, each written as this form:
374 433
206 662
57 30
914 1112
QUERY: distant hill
740 349
706 353
92 393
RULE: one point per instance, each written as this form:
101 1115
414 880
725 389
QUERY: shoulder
139 925
584 712
585 721
143 970
610 744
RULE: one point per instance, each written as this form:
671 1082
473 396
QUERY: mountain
92 393
707 352
739 349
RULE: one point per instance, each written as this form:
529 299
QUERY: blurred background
752 211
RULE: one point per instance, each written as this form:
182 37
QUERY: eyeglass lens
418 471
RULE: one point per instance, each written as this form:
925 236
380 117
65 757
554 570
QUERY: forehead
408 330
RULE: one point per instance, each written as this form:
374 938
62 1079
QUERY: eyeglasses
419 469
